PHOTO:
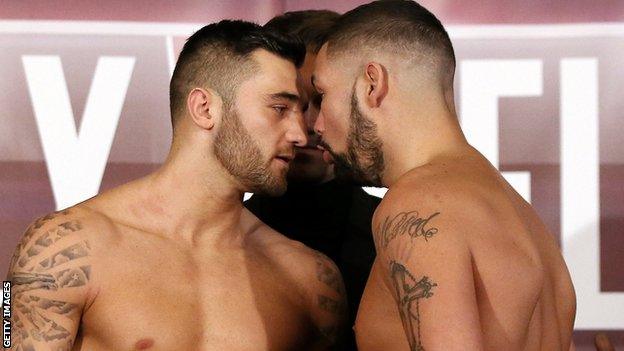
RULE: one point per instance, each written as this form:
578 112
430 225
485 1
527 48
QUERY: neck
194 200
439 136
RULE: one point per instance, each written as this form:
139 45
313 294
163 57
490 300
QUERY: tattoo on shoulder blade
408 293
405 223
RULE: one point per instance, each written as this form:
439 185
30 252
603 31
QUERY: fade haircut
400 27
312 26
218 56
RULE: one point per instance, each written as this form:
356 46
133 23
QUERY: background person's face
256 140
308 165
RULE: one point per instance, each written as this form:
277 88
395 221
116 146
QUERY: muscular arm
428 270
49 273
329 305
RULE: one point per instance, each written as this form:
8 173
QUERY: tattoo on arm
39 318
327 274
408 293
330 333
405 223
47 239
330 305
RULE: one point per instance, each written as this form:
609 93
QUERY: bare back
463 260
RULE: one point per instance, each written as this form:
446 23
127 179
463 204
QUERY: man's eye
280 109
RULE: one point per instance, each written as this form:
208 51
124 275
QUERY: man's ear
202 107
376 78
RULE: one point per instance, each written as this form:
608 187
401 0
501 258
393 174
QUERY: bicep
436 303
428 269
49 274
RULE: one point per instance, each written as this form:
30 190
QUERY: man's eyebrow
284 95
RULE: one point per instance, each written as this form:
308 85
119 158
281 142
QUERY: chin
275 187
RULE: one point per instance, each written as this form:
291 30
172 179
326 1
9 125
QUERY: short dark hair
219 56
312 26
401 26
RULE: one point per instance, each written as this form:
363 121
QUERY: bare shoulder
56 238
426 260
319 282
302 262
51 276
434 204
314 272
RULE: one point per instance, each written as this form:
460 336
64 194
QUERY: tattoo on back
408 293
405 223
47 261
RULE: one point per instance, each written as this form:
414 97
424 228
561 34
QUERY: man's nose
296 133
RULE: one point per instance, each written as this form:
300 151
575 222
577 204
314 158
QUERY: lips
286 158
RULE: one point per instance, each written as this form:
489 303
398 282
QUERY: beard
363 162
241 156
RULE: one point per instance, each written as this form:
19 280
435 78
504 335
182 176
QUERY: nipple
144 344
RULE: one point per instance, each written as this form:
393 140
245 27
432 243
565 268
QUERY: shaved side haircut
218 56
311 26
398 27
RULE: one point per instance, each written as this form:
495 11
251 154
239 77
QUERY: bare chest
167 302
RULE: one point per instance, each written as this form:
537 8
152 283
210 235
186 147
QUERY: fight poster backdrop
539 89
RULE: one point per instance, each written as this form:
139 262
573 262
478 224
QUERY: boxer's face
261 128
349 137
308 165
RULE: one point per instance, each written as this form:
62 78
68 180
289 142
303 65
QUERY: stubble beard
241 156
363 162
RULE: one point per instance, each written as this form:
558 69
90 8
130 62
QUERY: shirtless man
463 262
173 261
324 212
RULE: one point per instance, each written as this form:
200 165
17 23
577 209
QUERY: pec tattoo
405 223
408 293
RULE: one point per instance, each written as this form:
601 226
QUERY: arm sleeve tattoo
395 234
47 270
